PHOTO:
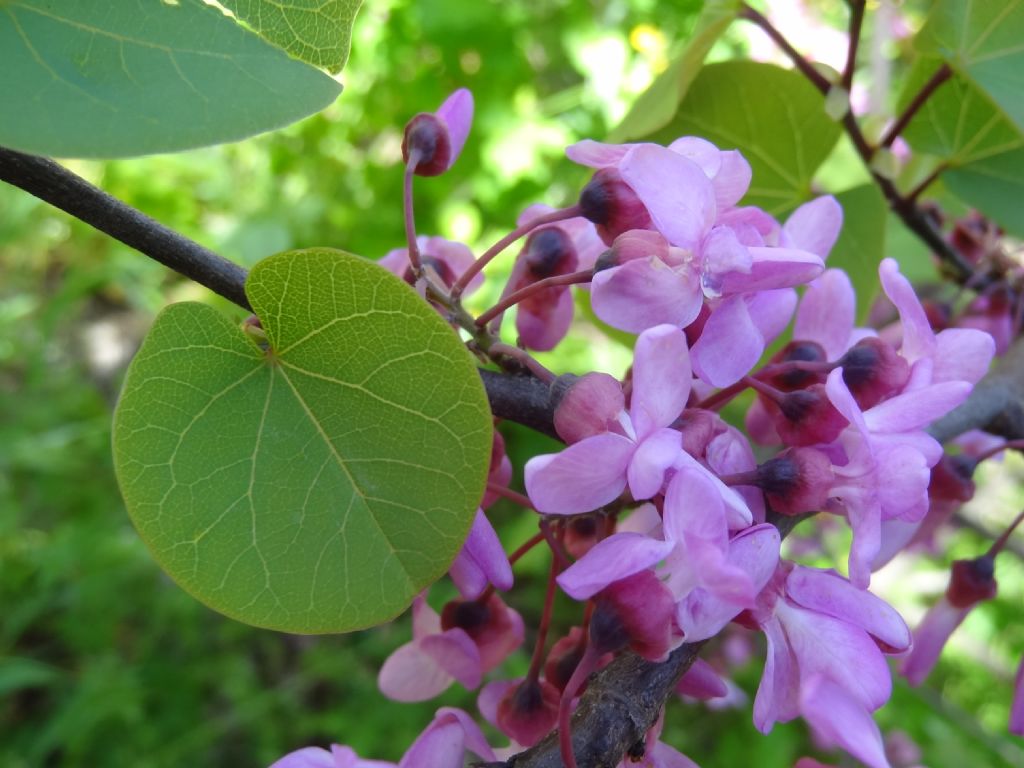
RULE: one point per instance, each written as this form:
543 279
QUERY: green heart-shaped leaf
317 484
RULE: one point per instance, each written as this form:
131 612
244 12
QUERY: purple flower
826 640
433 141
446 259
442 744
595 470
1017 708
481 561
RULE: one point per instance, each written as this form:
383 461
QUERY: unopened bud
612 205
873 371
796 481
971 581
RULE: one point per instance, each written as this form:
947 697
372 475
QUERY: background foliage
103 661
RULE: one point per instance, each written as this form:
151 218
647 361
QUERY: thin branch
856 22
817 79
942 74
63 189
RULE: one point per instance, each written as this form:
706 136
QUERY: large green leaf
983 41
316 485
773 115
318 32
982 149
861 244
97 79
658 104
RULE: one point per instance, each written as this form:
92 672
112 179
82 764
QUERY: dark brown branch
621 703
942 74
856 22
63 189
806 68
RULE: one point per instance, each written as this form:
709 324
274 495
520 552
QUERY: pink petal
930 638
653 457
457 114
542 332
612 559
723 255
490 697
737 513
903 476
776 699
1017 708
663 756
583 477
307 757
771 311
694 508
729 346
962 354
644 293
455 652
827 313
839 395
814 226
482 560
700 151
674 190
774 268
865 517
917 409
841 720
441 745
757 550
412 674
425 620
596 154
829 593
701 681
473 737
661 378
918 338
732 180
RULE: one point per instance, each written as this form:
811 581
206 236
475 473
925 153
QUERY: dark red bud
563 658
612 205
796 481
549 251
590 406
427 136
807 417
469 615
637 611
873 371
529 711
952 479
971 581
699 427
793 379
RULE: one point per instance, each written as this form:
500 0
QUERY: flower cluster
661 515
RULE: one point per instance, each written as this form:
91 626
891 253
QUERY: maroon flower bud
794 378
612 205
427 135
971 581
952 479
807 417
491 624
873 371
563 658
529 711
582 533
549 251
636 611
590 406
796 481
699 427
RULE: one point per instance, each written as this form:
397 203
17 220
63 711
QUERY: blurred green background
103 661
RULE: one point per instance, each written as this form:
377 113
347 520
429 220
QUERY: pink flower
543 319
826 640
446 259
1017 708
595 470
433 141
442 744
481 561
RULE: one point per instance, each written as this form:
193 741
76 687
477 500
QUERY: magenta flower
1017 708
443 744
481 561
446 259
826 640
433 141
543 318
595 470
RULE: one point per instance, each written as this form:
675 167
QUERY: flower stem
410 219
509 494
856 22
498 349
998 544
583 276
942 74
560 215
588 663
545 622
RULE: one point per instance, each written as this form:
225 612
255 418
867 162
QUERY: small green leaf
317 32
772 115
658 104
861 244
321 483
982 149
982 41
99 79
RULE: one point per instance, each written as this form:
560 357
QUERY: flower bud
952 479
793 379
807 417
590 406
496 629
529 711
436 139
796 481
971 581
873 371
549 251
637 611
612 205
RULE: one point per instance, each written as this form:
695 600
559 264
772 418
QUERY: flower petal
675 191
814 226
701 151
929 639
661 378
644 293
732 180
583 477
612 559
962 354
841 720
652 458
457 114
826 314
729 346
596 154
773 268
918 338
